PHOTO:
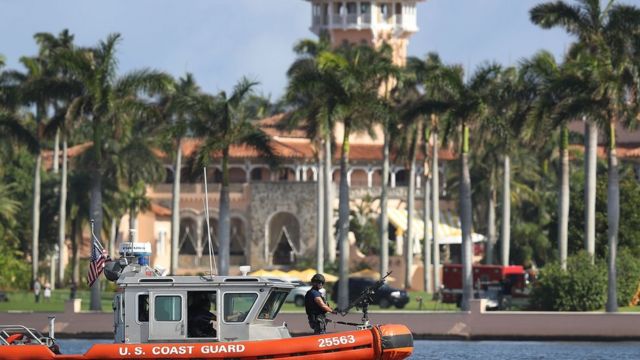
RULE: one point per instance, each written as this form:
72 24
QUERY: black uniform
315 314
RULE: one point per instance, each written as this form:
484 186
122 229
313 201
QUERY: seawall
475 324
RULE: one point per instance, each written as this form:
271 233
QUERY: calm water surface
480 350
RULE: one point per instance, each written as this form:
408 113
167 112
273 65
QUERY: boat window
168 308
238 305
143 308
202 314
272 305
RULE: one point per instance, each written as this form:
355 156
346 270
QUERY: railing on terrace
198 188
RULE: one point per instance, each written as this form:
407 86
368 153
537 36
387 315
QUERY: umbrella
294 274
370 274
261 272
307 274
278 273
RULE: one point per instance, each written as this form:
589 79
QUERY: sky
219 41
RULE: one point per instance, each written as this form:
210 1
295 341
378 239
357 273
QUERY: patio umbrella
307 274
261 272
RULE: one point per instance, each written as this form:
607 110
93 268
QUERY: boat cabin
153 308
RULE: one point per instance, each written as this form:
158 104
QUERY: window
365 8
237 306
143 308
201 314
352 8
272 305
168 308
337 8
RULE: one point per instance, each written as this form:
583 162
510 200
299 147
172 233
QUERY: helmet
317 278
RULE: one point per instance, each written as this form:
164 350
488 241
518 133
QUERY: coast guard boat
154 314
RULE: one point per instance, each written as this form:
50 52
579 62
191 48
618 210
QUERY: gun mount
363 301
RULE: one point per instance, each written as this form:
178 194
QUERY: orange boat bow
388 342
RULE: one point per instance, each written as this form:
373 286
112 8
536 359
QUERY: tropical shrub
582 287
628 271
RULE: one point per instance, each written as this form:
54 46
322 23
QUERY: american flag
98 258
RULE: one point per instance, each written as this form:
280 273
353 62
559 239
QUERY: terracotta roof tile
160 210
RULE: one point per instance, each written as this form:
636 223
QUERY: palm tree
223 121
508 99
416 125
137 167
313 91
359 83
553 85
603 52
467 110
436 81
107 104
179 115
49 46
389 78
36 91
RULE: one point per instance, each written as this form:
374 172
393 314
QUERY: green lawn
427 304
25 301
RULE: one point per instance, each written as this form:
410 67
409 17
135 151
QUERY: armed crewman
316 305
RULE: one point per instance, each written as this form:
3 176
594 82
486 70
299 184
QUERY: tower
372 22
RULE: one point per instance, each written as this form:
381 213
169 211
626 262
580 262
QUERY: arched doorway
213 228
283 243
237 245
188 243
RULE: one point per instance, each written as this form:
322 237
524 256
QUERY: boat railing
33 336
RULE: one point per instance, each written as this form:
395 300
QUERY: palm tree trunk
506 211
96 214
56 152
319 218
175 209
435 213
411 199
465 219
563 199
133 223
63 210
35 219
112 237
75 250
329 239
224 231
343 222
491 219
613 218
384 218
427 237
590 187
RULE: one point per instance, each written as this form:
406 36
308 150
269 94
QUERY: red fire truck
502 286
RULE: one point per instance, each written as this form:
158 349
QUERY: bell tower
372 22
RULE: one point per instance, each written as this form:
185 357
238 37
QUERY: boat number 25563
335 341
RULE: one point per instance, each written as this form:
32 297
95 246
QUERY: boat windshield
272 305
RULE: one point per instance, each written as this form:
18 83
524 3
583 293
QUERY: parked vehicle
3 297
386 296
296 295
502 286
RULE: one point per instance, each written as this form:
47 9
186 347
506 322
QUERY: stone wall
270 198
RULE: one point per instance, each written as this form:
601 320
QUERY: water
480 350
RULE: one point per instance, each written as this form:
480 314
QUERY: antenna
212 259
